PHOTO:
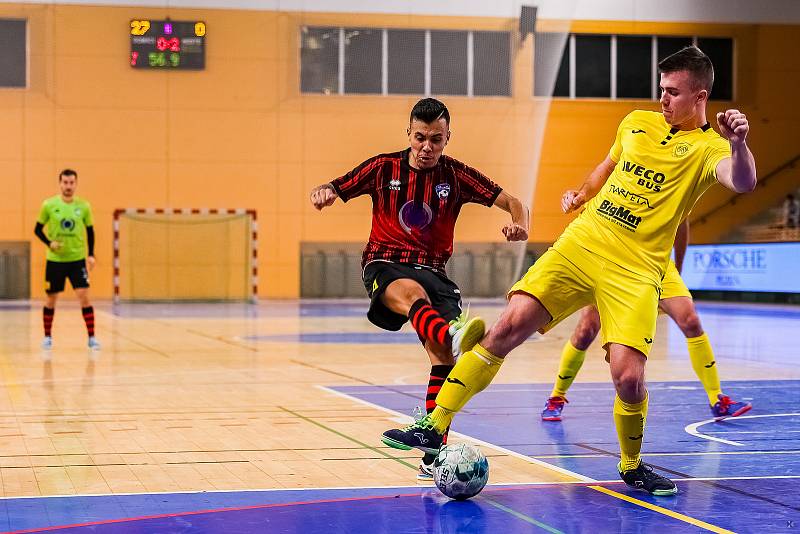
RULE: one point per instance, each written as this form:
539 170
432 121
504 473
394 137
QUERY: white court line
692 428
509 452
652 454
716 433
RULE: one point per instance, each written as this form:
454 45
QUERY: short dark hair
693 60
67 172
429 110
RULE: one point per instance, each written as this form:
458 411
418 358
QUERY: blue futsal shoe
552 408
419 435
727 407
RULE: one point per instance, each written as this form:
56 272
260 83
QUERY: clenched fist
572 200
733 125
515 232
323 196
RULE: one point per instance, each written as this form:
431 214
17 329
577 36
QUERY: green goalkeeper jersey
66 223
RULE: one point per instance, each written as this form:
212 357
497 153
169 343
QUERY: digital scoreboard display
168 44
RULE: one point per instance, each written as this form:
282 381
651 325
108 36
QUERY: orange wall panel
240 133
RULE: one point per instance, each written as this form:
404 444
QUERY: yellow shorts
673 285
572 277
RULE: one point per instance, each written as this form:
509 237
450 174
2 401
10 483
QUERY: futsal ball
460 471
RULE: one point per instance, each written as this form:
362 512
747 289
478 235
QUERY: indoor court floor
267 417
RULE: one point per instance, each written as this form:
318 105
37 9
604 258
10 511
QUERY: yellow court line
670 513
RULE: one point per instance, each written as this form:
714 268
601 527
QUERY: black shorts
444 294
57 272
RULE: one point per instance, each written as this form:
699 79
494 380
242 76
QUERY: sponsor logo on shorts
633 197
649 178
620 215
648 340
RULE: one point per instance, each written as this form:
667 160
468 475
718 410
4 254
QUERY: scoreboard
168 44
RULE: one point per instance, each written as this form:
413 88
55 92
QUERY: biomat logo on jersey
649 178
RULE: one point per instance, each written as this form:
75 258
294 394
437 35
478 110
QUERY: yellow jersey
660 173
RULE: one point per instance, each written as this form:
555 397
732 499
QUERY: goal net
184 255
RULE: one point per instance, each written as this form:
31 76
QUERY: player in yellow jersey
614 255
676 301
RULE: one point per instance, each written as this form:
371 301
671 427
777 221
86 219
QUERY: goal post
173 255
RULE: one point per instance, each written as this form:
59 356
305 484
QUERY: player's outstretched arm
573 199
737 173
517 229
323 195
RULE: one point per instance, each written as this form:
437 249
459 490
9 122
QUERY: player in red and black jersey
417 195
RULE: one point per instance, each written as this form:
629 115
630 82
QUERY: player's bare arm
681 242
573 199
517 229
323 196
737 173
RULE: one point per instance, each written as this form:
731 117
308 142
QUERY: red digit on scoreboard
134 58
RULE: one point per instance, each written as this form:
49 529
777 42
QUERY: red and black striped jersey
414 211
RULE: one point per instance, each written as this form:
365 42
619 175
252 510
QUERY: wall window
619 66
404 62
492 71
592 56
319 60
634 65
362 60
13 51
449 62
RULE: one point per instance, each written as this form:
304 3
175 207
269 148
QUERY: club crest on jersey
394 184
681 149
443 191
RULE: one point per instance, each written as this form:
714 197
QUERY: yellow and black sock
571 363
704 365
630 419
473 371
